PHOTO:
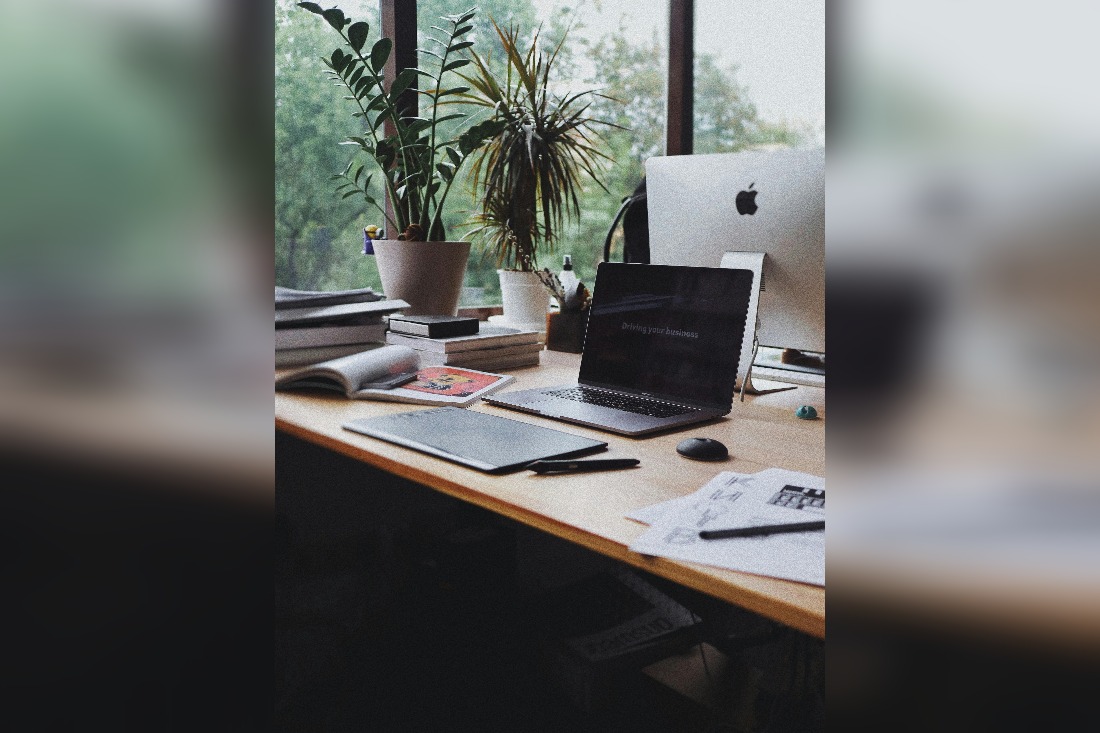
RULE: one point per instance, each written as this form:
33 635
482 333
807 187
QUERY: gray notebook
486 442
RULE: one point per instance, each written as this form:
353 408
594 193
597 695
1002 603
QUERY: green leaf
462 31
415 125
445 118
379 53
382 117
402 82
459 46
358 172
349 194
385 152
357 34
456 64
339 61
335 18
454 155
356 75
376 103
312 7
456 90
477 134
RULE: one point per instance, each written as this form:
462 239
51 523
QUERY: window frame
399 23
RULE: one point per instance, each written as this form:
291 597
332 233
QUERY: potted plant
417 163
529 170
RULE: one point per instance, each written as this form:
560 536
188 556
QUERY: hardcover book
434 326
483 358
321 313
291 298
394 374
487 336
329 335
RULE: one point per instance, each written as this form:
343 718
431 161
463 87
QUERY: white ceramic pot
427 275
526 300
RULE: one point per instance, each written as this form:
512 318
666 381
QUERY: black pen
598 464
719 534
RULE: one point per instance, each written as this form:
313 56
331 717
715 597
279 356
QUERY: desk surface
589 509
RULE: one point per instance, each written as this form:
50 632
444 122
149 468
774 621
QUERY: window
759 75
620 47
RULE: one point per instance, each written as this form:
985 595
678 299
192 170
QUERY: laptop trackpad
569 409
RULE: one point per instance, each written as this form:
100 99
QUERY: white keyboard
771 374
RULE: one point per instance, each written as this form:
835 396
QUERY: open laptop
661 350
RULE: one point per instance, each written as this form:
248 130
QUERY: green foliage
725 120
318 235
316 245
529 172
418 165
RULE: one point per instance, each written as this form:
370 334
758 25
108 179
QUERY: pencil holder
565 330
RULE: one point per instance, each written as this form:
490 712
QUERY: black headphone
627 203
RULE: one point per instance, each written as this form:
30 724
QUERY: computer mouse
702 449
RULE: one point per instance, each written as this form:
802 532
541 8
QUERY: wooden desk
589 509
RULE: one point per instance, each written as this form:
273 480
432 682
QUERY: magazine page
355 371
442 385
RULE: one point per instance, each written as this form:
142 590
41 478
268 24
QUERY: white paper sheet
773 496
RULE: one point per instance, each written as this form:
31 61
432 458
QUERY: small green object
806 412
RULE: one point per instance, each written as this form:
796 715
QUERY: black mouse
702 449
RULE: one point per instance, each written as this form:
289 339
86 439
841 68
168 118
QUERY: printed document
731 500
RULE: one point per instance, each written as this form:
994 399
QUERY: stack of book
603 627
314 326
464 342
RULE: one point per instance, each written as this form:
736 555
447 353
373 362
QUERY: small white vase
526 300
427 275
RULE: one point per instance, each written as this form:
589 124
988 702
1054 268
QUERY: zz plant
418 163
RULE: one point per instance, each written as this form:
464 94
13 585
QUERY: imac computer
724 209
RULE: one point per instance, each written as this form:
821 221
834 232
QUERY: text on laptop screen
667 331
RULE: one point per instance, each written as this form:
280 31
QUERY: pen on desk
598 464
719 534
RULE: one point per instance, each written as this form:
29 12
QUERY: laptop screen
666 331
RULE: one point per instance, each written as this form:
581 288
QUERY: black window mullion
399 23
680 98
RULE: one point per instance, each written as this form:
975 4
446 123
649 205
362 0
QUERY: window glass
318 236
759 74
618 48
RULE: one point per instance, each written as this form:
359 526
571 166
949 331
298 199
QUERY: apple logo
746 201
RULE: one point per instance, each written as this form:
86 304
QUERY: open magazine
393 373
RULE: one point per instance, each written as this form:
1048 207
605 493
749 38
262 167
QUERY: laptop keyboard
629 403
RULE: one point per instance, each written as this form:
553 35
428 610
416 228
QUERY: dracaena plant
417 162
529 171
